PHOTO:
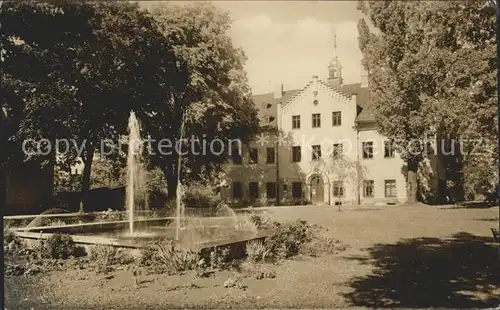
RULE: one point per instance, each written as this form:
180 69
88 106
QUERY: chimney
315 86
278 93
354 99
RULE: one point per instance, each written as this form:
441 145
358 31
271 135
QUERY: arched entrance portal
316 190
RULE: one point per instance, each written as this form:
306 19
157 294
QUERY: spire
335 68
335 60
334 43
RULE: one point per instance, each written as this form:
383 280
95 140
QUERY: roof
267 106
364 103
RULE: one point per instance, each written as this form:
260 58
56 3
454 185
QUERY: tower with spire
335 68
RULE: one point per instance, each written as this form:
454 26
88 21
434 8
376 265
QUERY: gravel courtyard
399 256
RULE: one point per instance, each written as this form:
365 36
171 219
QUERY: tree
211 97
463 97
88 77
431 68
65 181
394 86
339 168
108 173
26 67
112 172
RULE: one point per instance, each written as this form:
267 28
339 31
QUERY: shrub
56 222
13 245
147 256
288 239
200 196
301 202
106 256
256 251
219 258
323 245
234 283
257 271
58 246
175 259
8 235
260 220
110 216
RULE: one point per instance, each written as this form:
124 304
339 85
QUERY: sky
287 42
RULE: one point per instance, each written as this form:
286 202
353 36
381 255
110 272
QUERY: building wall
247 172
379 169
326 135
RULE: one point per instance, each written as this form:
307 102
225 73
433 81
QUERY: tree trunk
171 185
179 208
453 161
89 157
412 181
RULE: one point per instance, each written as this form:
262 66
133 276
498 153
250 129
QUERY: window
271 190
296 122
316 120
297 190
316 152
253 190
271 119
315 102
388 149
338 189
270 156
269 105
338 151
236 157
368 186
390 188
254 155
367 150
237 190
296 154
336 119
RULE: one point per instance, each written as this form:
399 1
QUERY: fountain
135 190
222 228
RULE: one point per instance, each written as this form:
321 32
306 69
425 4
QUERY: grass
404 256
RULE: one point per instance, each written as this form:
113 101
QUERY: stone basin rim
41 228
116 242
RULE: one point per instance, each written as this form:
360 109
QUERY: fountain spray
135 176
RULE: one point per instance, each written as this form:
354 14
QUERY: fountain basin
89 235
83 228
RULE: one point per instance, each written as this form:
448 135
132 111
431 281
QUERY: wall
326 135
380 169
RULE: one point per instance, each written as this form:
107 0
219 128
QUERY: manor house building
325 122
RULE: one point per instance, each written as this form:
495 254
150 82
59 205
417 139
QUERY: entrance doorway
317 190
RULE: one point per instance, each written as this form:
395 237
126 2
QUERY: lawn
398 256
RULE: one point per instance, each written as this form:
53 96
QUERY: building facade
328 152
